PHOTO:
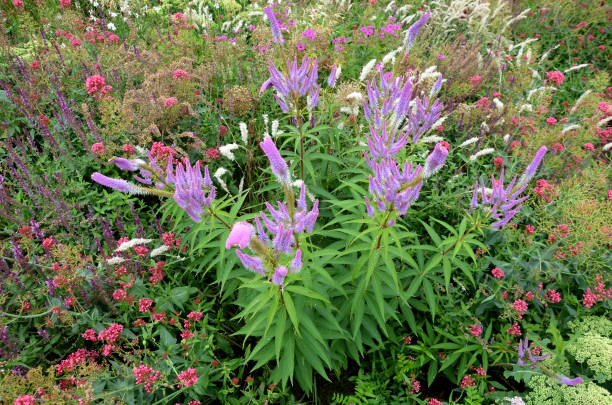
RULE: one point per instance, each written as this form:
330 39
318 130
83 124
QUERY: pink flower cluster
147 376
188 377
599 293
74 359
96 86
556 77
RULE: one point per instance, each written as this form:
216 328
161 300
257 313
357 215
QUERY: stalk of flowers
277 254
503 203
394 188
529 357
294 84
394 101
185 183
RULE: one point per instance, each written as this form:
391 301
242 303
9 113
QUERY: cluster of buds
296 83
191 190
502 202
277 255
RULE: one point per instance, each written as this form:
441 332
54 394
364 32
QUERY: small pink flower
603 107
98 148
520 307
170 101
433 401
475 80
300 46
588 146
64 3
188 377
515 329
467 381
119 295
19 3
556 77
90 334
48 242
180 74
558 147
498 273
144 305
499 162
551 121
24 399
476 330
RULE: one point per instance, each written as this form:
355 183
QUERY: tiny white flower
115 260
111 26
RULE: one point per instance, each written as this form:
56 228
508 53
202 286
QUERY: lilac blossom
130 165
279 275
533 166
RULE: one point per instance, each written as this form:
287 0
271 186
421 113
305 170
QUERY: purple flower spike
240 235
331 80
296 263
413 31
276 32
533 167
127 165
277 164
117 184
435 160
279 275
283 240
252 263
561 379
190 189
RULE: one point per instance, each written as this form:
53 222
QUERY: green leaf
165 337
306 292
430 297
291 311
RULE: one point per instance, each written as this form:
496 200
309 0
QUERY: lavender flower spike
561 379
279 275
277 164
240 235
333 76
190 189
252 263
128 165
276 32
117 184
413 31
435 160
532 168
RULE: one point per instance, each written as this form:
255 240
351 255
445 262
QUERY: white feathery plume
366 70
131 243
226 150
577 103
576 67
604 121
481 153
569 128
159 250
220 172
607 147
244 132
469 142
115 260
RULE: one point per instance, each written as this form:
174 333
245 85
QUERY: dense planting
346 202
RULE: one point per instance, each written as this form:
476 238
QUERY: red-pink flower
188 377
553 296
96 86
144 305
90 334
515 329
467 381
476 330
556 77
147 376
475 80
588 146
18 3
603 107
498 273
180 74
498 161
119 295
98 148
48 242
520 307
213 153
195 316
551 121
64 3
433 401
170 101
24 399
530 229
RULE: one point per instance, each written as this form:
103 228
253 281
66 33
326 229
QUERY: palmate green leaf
465 268
432 263
430 297
291 311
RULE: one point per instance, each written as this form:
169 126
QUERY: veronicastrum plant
316 289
